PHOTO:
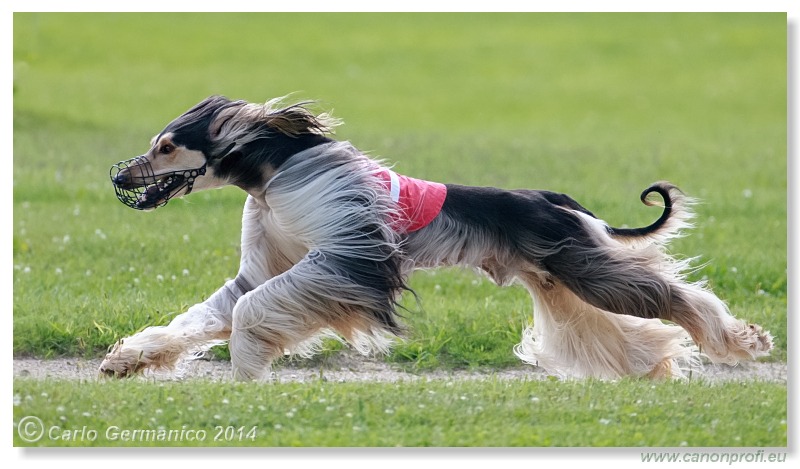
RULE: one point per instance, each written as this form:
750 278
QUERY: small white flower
226 401
86 414
159 278
59 271
27 270
185 272
389 411
605 421
747 193
186 238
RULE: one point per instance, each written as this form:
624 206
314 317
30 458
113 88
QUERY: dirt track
349 368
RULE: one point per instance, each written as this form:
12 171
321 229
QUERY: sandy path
352 368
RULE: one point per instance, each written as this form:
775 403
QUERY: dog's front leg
161 347
207 323
288 310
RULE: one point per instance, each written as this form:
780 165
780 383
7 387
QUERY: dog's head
216 143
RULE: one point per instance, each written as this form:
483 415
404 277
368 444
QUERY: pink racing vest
419 201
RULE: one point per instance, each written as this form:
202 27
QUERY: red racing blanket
419 201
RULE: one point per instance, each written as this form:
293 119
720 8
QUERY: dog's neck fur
254 164
259 138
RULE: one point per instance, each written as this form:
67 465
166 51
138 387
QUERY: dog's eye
166 149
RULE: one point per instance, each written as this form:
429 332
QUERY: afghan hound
331 236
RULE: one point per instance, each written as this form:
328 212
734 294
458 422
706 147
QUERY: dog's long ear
240 118
297 119
222 117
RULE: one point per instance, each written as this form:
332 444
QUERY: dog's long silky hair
320 256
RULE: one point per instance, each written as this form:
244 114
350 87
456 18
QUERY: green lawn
438 413
594 105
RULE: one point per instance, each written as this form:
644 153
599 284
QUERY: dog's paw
740 342
122 362
761 340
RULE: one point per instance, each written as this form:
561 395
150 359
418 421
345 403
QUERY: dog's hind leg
646 283
571 338
722 337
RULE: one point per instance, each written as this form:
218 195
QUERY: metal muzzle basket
138 187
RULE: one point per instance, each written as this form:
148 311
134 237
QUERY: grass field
439 413
594 105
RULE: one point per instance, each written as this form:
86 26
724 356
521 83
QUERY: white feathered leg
208 323
189 334
571 338
721 336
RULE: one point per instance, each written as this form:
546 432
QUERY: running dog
330 237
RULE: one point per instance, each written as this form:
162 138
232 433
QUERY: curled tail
675 217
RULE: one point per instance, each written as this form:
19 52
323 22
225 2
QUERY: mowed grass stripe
441 413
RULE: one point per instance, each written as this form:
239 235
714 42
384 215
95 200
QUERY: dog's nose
122 178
